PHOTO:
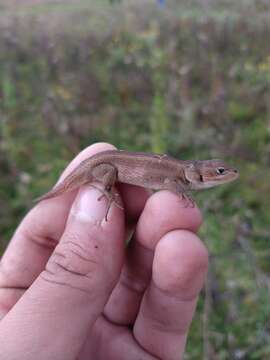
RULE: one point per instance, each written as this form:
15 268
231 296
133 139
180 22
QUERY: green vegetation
191 80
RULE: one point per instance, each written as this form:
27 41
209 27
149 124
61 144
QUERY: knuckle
73 258
72 264
134 282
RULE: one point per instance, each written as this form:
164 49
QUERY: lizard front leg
178 188
107 175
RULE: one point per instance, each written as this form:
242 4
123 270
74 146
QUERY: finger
64 302
112 342
35 239
163 212
179 269
134 199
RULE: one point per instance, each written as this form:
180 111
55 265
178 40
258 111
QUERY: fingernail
87 207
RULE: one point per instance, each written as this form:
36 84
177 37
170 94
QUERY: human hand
69 289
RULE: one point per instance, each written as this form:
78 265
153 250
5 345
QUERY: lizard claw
189 202
112 197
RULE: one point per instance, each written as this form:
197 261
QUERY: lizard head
208 173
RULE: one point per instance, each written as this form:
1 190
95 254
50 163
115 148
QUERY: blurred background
188 78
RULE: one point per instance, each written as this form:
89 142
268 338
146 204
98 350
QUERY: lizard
152 171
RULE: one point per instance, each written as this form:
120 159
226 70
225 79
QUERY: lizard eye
220 170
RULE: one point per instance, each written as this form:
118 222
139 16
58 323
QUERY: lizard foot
189 202
112 196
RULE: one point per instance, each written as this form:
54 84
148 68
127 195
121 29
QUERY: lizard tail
71 182
56 191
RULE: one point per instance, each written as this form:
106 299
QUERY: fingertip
84 154
91 206
165 211
166 204
180 263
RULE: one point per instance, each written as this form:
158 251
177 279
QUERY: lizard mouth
232 175
226 177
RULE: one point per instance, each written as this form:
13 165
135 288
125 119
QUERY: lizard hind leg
107 175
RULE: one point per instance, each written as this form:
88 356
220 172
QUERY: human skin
71 289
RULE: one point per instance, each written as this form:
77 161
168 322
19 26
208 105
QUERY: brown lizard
152 171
